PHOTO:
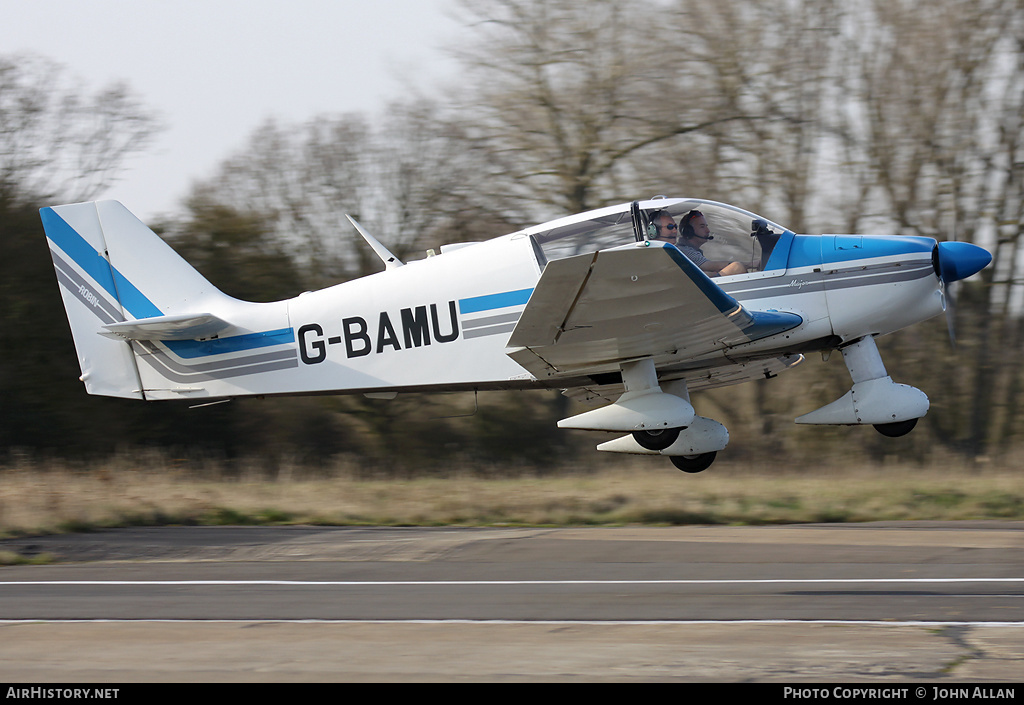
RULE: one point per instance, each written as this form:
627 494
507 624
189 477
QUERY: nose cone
959 260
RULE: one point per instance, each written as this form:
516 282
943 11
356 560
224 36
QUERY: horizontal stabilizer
181 327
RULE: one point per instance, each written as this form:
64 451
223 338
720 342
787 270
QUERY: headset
652 223
686 229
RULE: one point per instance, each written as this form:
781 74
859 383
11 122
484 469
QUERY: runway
894 601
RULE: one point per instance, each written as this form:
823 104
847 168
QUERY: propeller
948 305
954 261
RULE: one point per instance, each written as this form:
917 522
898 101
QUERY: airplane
593 304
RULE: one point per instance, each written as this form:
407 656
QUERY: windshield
732 234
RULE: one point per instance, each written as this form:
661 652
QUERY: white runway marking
447 583
540 622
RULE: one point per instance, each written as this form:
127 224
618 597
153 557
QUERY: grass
12 558
151 490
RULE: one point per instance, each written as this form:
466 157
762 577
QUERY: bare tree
59 140
901 116
405 179
564 98
301 179
939 92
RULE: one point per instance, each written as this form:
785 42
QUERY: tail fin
113 270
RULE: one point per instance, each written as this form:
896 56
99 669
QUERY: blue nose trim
959 260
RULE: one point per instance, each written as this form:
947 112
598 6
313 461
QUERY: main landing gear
694 463
656 440
896 428
657 420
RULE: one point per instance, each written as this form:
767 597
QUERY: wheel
694 463
656 440
896 429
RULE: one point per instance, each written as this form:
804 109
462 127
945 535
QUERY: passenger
693 233
663 227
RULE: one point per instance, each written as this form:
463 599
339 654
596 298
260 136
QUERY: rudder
111 268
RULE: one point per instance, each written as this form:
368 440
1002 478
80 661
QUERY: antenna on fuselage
389 260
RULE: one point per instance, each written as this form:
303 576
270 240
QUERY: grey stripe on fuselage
237 367
831 279
171 363
491 320
490 325
489 330
107 312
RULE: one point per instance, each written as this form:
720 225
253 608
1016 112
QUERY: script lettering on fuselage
411 328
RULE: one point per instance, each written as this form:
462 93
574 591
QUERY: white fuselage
429 325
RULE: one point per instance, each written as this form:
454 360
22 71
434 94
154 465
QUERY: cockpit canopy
739 235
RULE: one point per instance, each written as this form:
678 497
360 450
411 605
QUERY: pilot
663 227
693 233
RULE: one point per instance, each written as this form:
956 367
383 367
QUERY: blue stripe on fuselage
237 343
137 304
810 250
476 304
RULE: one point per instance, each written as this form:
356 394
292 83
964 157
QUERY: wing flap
544 317
592 311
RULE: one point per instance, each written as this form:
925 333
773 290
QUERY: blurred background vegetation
837 116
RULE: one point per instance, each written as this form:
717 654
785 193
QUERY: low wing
590 312
606 389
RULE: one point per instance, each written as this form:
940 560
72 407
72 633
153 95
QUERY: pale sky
215 69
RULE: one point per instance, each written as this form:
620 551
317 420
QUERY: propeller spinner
954 261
